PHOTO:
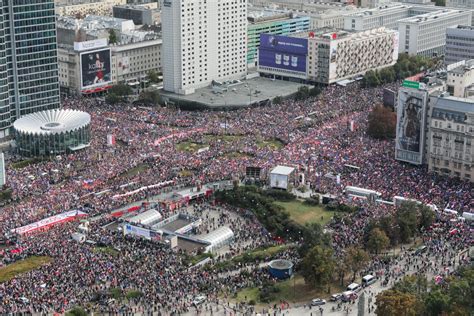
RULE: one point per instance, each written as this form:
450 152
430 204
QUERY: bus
360 192
398 200
368 280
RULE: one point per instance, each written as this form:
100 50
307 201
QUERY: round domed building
52 132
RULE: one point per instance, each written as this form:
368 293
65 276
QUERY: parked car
318 302
198 300
336 297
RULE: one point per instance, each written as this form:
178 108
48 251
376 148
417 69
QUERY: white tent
218 238
280 177
146 218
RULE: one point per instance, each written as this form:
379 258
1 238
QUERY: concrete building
467 4
426 34
271 22
28 61
327 56
85 7
460 79
130 62
385 16
459 44
139 14
338 55
203 41
451 137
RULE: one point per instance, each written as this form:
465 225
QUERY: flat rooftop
251 91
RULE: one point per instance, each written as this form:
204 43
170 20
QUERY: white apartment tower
203 40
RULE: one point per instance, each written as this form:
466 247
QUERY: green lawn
222 138
106 250
135 170
273 144
303 214
291 290
189 147
31 263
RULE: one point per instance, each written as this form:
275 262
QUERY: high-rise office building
203 40
28 60
459 43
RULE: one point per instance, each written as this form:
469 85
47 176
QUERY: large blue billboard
283 52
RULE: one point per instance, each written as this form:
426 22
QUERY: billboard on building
283 52
95 68
124 65
2 170
90 45
411 116
332 60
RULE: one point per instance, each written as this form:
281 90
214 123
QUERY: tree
395 303
407 220
371 79
151 97
318 266
118 93
355 259
377 241
153 76
113 37
314 91
77 311
436 302
277 100
426 218
440 3
302 93
314 235
112 98
389 226
382 123
387 75
412 284
121 89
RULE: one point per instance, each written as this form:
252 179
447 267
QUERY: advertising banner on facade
411 116
283 52
95 68
2 170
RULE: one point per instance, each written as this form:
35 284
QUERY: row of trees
272 216
410 219
406 66
319 266
413 296
382 123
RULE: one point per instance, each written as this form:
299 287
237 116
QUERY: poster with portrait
95 68
411 116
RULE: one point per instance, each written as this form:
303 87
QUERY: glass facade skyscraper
28 60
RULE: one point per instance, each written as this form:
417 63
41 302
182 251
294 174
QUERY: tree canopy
382 123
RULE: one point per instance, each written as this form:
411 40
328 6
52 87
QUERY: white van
368 280
354 287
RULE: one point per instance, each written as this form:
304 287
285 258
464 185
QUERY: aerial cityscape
237 157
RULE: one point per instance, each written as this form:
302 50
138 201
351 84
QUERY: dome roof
52 122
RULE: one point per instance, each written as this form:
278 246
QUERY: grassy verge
22 266
5 194
258 254
24 163
302 213
106 250
130 173
291 290
189 147
223 138
273 144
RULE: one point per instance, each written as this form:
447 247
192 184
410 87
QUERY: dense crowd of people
316 139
